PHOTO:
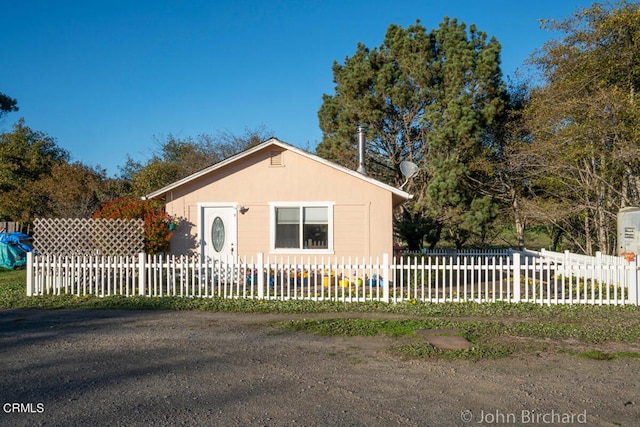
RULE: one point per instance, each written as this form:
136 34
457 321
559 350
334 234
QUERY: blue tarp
13 250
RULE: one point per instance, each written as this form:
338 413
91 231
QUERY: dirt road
94 368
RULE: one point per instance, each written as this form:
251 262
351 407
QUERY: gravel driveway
111 367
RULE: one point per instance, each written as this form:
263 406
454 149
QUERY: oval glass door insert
217 234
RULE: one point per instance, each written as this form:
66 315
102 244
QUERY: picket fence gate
512 276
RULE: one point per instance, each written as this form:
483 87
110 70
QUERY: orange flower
629 256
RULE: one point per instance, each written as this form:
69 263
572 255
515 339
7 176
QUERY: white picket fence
527 276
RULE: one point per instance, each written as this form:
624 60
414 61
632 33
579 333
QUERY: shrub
156 231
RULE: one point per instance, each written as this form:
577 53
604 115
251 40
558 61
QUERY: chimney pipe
361 151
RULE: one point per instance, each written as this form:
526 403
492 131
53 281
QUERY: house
277 199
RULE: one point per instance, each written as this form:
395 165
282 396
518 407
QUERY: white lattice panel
88 236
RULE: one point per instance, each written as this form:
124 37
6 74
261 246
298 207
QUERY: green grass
595 354
422 350
494 329
489 337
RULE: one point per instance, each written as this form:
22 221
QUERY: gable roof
399 194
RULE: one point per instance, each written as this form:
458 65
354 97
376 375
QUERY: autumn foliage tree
156 230
72 190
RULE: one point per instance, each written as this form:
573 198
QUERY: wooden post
386 279
260 275
516 276
142 276
633 281
30 284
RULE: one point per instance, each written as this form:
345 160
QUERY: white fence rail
511 277
463 252
567 257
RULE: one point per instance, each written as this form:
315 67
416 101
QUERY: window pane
316 215
287 215
288 228
316 236
316 228
288 236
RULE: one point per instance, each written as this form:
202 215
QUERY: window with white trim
302 226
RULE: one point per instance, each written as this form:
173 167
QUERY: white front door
218 227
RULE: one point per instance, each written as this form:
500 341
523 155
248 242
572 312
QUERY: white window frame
301 205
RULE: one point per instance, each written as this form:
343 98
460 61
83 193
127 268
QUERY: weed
597 355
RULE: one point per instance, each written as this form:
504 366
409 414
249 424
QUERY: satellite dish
409 170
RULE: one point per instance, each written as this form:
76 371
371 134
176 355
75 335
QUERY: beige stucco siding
352 228
362 212
254 226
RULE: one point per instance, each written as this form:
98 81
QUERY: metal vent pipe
362 141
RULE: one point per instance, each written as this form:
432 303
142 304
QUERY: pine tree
427 98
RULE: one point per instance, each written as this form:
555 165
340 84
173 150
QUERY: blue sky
108 79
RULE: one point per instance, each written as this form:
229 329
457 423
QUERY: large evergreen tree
7 104
427 97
